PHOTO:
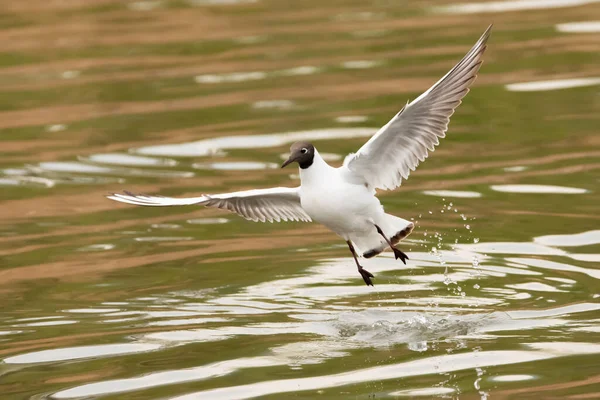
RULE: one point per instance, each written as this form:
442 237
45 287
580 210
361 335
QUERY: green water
500 298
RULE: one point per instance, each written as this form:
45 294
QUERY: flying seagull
343 199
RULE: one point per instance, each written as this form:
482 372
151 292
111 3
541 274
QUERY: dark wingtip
110 196
486 35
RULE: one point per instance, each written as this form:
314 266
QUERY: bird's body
344 203
328 196
343 199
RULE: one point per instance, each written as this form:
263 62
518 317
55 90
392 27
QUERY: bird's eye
304 150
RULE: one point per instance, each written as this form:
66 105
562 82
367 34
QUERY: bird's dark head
301 152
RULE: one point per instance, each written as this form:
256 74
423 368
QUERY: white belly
343 208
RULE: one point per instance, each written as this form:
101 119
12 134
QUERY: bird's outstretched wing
275 204
399 146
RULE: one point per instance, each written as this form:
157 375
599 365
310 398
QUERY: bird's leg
397 253
366 275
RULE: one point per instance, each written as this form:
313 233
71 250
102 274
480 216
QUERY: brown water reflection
500 299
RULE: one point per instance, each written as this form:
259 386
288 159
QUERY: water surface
500 298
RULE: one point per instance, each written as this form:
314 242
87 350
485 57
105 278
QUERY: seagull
344 199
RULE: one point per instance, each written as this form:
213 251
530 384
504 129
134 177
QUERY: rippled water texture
500 298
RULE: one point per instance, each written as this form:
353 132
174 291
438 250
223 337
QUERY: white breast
341 206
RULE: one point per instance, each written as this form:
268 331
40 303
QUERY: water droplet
418 346
447 280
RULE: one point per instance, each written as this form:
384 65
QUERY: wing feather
399 146
275 204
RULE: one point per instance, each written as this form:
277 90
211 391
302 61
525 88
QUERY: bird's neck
316 171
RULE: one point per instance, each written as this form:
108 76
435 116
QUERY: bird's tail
372 243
